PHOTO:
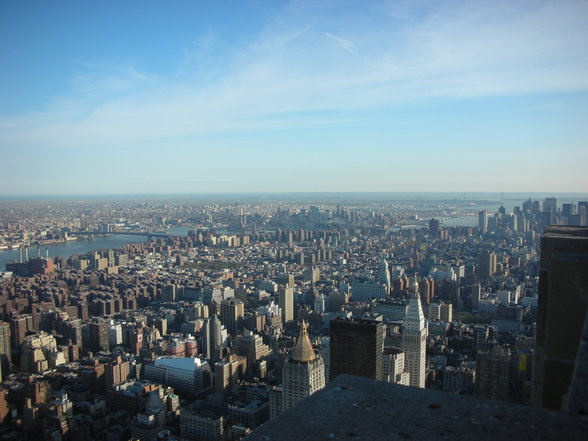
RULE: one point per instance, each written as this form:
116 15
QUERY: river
83 246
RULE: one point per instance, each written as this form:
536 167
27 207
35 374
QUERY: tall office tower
286 301
562 304
434 225
414 339
384 274
214 338
206 341
98 335
492 370
232 314
483 221
550 204
356 347
303 373
188 376
5 354
487 263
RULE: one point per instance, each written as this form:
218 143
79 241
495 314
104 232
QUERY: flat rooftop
356 408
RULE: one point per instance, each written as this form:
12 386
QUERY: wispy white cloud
344 44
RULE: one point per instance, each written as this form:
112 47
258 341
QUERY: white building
115 333
303 373
393 367
414 339
361 291
189 376
384 274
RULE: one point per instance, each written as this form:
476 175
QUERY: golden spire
303 351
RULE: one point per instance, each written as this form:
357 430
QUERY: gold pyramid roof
303 351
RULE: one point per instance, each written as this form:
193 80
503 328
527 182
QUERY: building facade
356 347
303 373
414 339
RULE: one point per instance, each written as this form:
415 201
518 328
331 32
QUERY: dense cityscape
294 220
208 334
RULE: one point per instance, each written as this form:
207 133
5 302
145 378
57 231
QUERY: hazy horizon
462 196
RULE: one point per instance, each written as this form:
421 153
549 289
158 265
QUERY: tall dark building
356 347
483 221
99 335
5 355
486 265
492 370
562 304
434 226
19 327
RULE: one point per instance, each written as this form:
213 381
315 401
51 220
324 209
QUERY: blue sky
293 96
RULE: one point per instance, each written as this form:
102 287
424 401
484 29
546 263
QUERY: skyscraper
414 339
487 263
356 347
286 301
214 337
303 373
384 274
98 330
562 304
5 355
483 221
434 226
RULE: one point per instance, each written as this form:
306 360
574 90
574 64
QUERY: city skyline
186 318
293 97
